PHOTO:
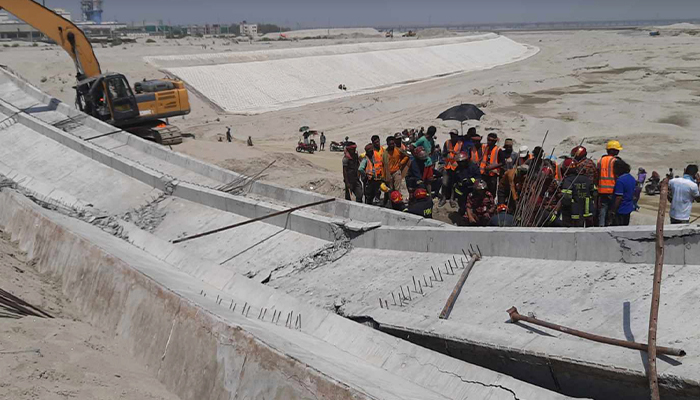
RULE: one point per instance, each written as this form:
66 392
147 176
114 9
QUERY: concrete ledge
634 245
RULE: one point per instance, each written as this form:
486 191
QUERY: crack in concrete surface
300 382
327 254
490 385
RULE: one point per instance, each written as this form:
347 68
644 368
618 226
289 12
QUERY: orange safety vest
379 162
606 182
557 172
476 159
450 161
371 169
489 159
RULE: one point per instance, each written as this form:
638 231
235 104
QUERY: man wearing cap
606 181
490 164
523 155
452 147
351 172
371 171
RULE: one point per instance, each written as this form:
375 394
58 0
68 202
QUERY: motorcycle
309 148
335 146
654 186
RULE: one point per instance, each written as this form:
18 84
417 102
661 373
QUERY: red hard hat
396 197
569 165
420 193
462 156
501 208
547 171
579 152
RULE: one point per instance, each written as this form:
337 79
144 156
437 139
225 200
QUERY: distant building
248 29
204 30
92 10
4 17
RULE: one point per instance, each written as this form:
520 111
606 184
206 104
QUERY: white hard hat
524 150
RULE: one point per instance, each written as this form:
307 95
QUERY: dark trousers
323 144
491 183
355 189
622 219
371 190
448 181
678 221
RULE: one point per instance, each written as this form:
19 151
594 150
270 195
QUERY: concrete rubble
108 210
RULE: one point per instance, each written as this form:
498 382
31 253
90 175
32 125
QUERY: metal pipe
515 316
250 221
656 291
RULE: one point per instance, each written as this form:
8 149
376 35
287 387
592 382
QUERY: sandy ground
592 85
61 358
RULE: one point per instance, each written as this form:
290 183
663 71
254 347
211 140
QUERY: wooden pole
656 293
250 221
445 314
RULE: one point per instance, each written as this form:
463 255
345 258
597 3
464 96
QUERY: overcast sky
386 12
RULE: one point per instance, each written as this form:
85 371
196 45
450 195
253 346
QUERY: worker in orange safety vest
606 181
452 147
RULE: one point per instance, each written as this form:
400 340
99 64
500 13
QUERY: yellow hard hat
384 188
614 145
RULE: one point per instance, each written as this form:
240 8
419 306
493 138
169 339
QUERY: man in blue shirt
624 193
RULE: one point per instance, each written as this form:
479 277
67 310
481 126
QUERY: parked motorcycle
309 148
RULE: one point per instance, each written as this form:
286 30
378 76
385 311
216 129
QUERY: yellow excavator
108 96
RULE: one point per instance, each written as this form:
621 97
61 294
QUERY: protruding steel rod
515 316
393 297
656 292
250 221
447 310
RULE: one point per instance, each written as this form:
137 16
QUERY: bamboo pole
656 292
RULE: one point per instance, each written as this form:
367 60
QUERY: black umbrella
461 113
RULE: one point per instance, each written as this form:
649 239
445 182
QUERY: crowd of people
490 185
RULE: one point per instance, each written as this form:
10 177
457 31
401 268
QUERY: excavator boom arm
60 30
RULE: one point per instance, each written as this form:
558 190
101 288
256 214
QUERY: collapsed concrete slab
175 308
341 263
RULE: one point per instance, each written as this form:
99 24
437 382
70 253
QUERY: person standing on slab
606 181
228 134
351 172
624 193
681 193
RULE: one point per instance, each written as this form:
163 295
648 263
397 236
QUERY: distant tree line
271 28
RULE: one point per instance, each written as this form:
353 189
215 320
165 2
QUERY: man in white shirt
682 192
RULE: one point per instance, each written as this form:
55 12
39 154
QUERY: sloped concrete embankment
167 162
201 349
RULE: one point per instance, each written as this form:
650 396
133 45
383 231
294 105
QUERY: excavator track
158 132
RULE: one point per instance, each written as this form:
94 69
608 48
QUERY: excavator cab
108 97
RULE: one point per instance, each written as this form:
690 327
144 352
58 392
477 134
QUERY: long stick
445 314
250 221
656 293
515 316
